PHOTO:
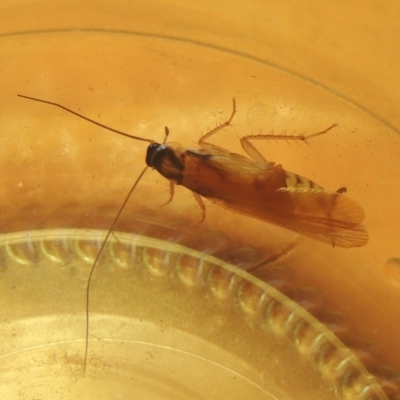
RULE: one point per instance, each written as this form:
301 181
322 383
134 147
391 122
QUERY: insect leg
202 142
251 150
197 197
171 193
200 202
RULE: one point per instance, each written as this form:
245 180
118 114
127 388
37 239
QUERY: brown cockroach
254 186
259 188
251 186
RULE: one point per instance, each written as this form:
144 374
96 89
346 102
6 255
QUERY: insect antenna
116 218
86 118
110 230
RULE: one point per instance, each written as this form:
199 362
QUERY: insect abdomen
294 180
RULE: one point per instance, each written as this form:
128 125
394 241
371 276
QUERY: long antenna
97 259
86 118
101 251
116 217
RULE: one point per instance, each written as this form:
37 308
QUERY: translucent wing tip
354 237
347 230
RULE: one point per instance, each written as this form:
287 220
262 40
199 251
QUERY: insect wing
329 217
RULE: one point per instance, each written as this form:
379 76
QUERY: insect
250 186
261 189
254 186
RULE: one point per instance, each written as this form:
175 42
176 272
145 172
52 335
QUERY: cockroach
259 188
250 186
